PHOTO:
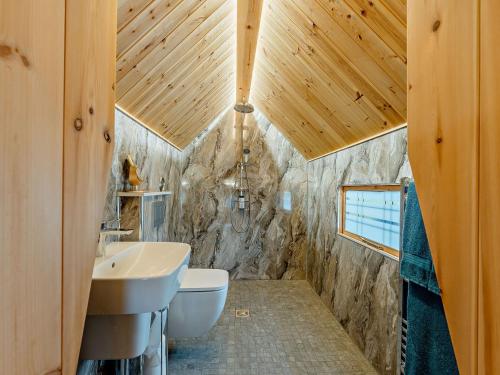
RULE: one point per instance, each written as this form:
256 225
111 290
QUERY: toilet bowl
198 304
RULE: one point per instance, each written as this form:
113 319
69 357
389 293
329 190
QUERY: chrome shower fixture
246 155
242 188
241 201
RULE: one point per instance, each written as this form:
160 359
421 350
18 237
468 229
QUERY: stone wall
201 179
274 247
293 216
358 284
155 159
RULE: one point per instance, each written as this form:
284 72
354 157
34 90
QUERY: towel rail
403 289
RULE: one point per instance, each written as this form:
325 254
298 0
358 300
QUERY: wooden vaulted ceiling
330 73
175 64
327 73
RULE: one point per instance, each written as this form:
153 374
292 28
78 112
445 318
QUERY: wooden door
443 125
57 71
489 191
454 149
89 104
31 160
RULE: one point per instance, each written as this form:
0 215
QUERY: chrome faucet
107 231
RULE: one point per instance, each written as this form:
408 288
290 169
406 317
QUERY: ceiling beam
249 14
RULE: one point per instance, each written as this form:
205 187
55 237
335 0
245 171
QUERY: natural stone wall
155 159
295 241
201 181
358 284
274 247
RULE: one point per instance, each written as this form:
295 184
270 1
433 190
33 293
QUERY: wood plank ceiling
175 64
328 73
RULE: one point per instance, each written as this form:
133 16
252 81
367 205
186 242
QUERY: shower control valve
246 155
241 202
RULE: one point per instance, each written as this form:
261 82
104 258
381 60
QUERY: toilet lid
204 280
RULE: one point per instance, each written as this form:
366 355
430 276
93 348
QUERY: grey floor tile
289 332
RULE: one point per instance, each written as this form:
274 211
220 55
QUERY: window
370 214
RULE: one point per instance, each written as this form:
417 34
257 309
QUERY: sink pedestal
115 336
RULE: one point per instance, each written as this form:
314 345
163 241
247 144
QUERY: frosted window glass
374 215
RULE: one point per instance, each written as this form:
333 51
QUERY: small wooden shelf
142 193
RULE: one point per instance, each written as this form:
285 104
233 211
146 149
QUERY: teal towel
416 261
428 350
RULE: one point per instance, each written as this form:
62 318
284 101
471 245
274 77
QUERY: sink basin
137 277
131 281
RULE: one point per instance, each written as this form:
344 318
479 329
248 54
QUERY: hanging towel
428 350
416 262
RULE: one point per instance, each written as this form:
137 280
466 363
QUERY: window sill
386 254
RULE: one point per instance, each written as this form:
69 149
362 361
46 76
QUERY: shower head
243 108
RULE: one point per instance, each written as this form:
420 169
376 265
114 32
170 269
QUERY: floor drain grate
242 313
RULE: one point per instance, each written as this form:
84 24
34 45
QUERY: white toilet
198 304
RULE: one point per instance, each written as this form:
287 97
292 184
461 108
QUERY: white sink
137 277
131 281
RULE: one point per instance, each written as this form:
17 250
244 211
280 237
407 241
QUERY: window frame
373 245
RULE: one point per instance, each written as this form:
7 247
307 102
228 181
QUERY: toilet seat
204 280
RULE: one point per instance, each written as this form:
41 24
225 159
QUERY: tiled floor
289 331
